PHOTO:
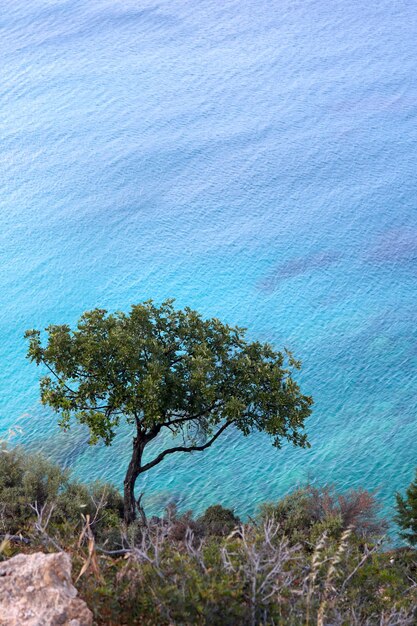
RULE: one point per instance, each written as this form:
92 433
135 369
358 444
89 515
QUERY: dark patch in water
395 246
297 267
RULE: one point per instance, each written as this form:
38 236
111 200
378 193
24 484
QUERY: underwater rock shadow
297 266
395 246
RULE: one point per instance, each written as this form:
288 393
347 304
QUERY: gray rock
36 590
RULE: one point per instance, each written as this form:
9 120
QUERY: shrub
217 520
177 524
28 479
253 577
357 508
308 511
178 571
293 513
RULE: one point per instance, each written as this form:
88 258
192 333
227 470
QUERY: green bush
309 511
309 558
217 520
293 513
26 479
29 480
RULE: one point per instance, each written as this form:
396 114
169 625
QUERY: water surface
255 160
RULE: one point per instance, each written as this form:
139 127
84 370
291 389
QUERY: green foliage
191 594
406 516
217 520
156 363
212 571
292 513
249 580
28 479
309 511
382 582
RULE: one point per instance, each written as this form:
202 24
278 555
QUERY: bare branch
43 516
163 454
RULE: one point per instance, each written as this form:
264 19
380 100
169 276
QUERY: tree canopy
161 368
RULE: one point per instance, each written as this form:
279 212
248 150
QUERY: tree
406 516
163 369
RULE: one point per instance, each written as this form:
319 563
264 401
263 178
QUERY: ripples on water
254 160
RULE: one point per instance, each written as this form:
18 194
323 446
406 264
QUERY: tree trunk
132 473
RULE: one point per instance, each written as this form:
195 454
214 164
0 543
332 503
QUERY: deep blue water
255 160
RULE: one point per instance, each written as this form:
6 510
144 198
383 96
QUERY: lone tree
406 516
162 369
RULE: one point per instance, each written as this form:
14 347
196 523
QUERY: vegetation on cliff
315 557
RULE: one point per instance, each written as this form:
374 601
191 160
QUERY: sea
255 160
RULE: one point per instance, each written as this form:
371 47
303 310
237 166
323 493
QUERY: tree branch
106 409
153 432
58 377
180 420
163 454
190 418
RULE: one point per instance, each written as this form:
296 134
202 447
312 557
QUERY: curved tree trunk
135 466
133 471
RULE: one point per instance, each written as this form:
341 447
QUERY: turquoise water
255 160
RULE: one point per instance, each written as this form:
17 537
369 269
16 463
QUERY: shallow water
253 160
